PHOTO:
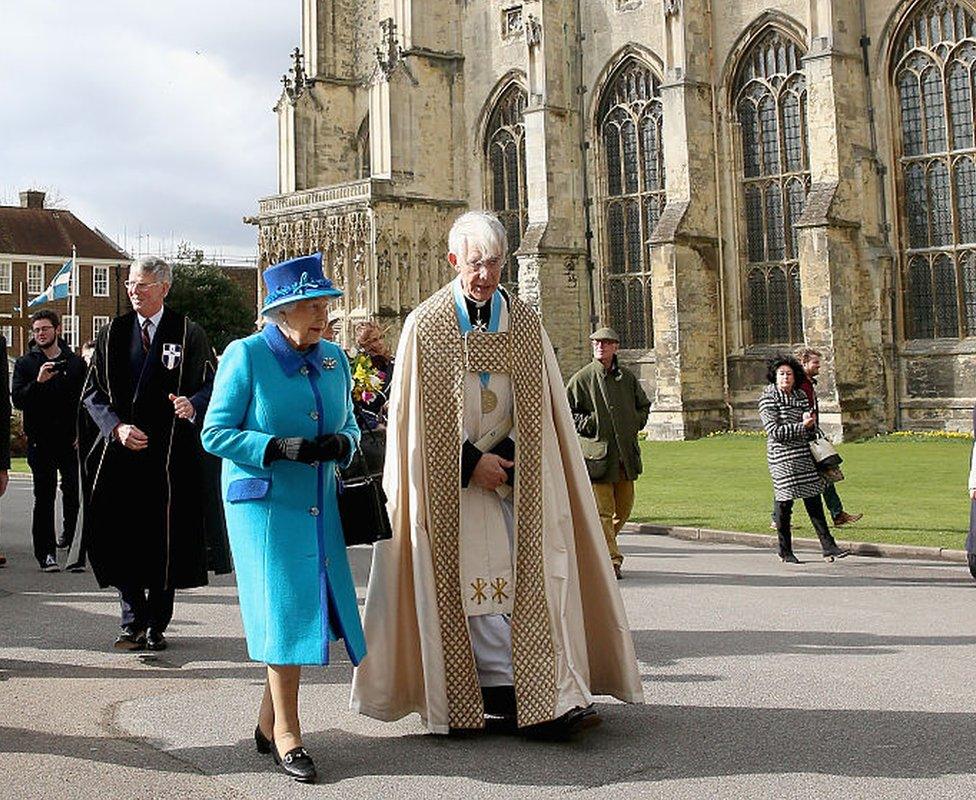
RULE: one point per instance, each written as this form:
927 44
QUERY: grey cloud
146 115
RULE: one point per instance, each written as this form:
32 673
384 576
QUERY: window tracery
505 171
933 77
770 108
630 124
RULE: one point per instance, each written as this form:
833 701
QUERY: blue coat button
313 511
313 414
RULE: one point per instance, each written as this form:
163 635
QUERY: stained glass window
505 162
770 109
933 76
633 196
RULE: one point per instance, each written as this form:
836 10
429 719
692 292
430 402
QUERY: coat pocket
248 489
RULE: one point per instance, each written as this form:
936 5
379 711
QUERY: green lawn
910 490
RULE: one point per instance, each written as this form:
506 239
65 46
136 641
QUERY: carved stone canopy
389 52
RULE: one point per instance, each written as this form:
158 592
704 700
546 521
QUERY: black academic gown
156 515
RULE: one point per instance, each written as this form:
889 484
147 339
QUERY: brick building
35 242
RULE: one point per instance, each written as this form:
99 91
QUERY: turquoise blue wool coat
296 590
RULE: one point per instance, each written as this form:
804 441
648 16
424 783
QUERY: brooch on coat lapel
172 355
329 363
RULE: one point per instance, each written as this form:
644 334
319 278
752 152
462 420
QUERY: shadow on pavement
648 743
848 573
668 647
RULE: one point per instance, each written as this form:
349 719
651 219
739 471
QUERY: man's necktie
145 336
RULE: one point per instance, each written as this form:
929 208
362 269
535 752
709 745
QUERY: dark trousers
46 462
830 497
146 608
783 511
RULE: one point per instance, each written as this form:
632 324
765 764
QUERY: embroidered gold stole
444 357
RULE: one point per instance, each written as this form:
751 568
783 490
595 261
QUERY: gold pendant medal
489 400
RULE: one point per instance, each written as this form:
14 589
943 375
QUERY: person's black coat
157 519
4 407
49 407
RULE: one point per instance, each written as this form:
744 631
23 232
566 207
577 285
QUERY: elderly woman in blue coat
282 418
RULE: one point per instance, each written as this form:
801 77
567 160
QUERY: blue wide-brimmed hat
296 279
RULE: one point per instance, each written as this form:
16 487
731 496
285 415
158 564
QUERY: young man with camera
46 386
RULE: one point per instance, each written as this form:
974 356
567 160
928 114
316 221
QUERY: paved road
846 681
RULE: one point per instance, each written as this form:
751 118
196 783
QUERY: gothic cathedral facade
718 180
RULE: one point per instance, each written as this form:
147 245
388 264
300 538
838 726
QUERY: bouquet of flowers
369 383
367 380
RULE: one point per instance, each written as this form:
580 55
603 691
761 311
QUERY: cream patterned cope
444 358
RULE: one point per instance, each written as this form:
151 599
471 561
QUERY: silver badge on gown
172 355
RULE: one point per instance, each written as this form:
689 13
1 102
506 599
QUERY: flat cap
605 333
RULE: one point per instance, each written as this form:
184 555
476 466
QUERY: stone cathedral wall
849 238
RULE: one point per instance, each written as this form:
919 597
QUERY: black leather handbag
362 502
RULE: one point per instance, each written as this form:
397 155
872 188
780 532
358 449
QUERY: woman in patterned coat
790 426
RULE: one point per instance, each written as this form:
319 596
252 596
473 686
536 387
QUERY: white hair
277 314
480 228
155 266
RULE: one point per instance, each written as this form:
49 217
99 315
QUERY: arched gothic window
771 110
362 150
505 171
933 77
629 121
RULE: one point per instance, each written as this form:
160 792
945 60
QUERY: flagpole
23 316
75 282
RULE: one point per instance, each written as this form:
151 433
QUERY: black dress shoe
131 639
563 728
296 763
789 558
76 566
261 742
834 551
155 640
499 701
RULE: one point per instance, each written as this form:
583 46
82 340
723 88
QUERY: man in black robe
154 504
4 426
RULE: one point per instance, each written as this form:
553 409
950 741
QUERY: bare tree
53 196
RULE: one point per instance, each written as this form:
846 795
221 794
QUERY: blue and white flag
58 288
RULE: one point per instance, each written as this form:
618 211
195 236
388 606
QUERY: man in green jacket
609 408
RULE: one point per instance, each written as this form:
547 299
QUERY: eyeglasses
140 287
492 263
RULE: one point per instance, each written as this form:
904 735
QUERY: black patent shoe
296 763
131 639
155 640
563 728
789 558
261 742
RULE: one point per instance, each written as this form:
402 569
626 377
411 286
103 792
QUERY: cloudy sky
149 118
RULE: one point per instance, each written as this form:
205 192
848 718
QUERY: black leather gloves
294 448
328 447
332 447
